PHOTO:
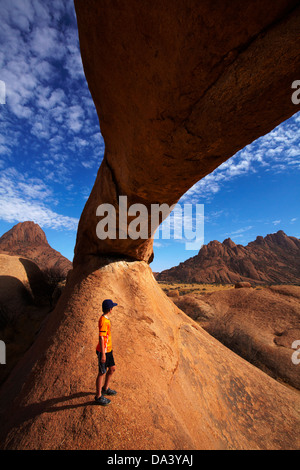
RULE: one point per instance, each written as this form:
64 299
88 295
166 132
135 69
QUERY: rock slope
270 260
178 387
259 324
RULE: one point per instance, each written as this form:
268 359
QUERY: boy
105 356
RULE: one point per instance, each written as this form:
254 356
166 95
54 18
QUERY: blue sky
51 146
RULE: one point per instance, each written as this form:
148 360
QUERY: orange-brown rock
269 260
24 303
240 285
195 307
260 324
178 387
21 284
27 239
179 87
173 293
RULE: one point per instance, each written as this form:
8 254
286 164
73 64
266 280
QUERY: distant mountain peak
267 260
228 242
25 233
29 240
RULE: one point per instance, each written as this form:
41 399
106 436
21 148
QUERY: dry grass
193 288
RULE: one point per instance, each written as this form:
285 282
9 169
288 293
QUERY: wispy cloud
240 231
23 198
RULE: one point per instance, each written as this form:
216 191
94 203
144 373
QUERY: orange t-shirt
105 331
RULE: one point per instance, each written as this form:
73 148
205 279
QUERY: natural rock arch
179 87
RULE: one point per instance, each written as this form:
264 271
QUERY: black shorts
110 362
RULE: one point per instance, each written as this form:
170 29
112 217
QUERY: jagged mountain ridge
29 240
267 260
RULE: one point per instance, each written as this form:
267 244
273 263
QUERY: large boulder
24 304
240 285
21 284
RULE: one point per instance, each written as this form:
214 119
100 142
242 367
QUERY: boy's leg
99 384
100 377
109 374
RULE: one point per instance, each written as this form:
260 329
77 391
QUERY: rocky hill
274 259
28 239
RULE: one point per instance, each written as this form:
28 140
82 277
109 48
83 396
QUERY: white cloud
14 183
157 244
276 222
19 210
50 98
88 164
22 198
241 230
45 43
76 118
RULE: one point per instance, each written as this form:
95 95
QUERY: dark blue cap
107 305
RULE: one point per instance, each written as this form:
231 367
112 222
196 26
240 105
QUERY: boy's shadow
49 407
29 412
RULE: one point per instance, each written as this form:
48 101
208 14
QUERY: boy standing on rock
105 356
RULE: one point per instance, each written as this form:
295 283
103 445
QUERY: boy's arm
103 355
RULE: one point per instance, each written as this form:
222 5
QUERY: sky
51 146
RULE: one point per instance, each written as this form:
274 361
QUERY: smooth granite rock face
179 88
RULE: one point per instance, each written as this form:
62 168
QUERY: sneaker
109 391
102 401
